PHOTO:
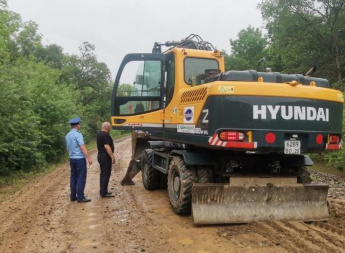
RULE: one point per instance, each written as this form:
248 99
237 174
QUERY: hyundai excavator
229 146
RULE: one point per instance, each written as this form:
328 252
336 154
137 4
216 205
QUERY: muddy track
40 218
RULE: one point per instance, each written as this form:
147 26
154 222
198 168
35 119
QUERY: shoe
108 195
84 200
73 200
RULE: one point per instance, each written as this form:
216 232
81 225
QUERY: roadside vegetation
42 87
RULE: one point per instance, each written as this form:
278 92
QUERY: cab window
140 80
170 80
194 69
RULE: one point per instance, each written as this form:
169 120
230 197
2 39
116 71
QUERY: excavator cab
139 92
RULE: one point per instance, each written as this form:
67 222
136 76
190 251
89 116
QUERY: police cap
75 120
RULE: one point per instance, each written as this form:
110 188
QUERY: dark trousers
78 178
104 161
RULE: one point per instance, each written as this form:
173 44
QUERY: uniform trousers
78 178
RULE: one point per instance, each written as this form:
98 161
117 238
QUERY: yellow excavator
230 146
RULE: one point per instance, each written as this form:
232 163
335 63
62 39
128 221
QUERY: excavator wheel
150 175
303 176
180 182
205 175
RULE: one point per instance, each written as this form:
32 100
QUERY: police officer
105 146
77 154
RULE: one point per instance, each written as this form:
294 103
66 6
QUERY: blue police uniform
74 139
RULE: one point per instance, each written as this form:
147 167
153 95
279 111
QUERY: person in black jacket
106 158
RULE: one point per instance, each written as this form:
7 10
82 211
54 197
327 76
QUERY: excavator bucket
255 201
139 144
132 170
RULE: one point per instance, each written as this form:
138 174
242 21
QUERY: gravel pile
336 183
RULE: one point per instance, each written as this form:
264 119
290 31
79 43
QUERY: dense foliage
308 32
41 89
247 50
300 34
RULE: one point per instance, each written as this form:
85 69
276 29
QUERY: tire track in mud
324 239
329 227
329 235
337 210
19 212
297 236
293 236
269 231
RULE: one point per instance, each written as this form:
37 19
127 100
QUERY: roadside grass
115 134
322 167
12 183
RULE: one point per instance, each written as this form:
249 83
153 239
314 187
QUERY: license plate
292 147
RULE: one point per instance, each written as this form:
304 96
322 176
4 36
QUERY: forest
42 87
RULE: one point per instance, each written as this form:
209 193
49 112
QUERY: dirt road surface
40 218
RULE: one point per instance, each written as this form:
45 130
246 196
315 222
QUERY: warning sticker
226 89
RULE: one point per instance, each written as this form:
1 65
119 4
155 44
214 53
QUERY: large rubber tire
150 175
303 176
180 182
205 174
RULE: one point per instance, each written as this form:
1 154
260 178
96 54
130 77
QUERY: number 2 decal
205 119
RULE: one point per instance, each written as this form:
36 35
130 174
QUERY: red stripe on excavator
245 145
333 146
214 141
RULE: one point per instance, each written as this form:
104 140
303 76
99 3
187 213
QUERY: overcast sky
118 27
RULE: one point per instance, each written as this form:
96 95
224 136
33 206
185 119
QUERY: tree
307 32
247 50
18 138
3 4
9 24
34 113
92 84
28 39
91 78
52 55
41 88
